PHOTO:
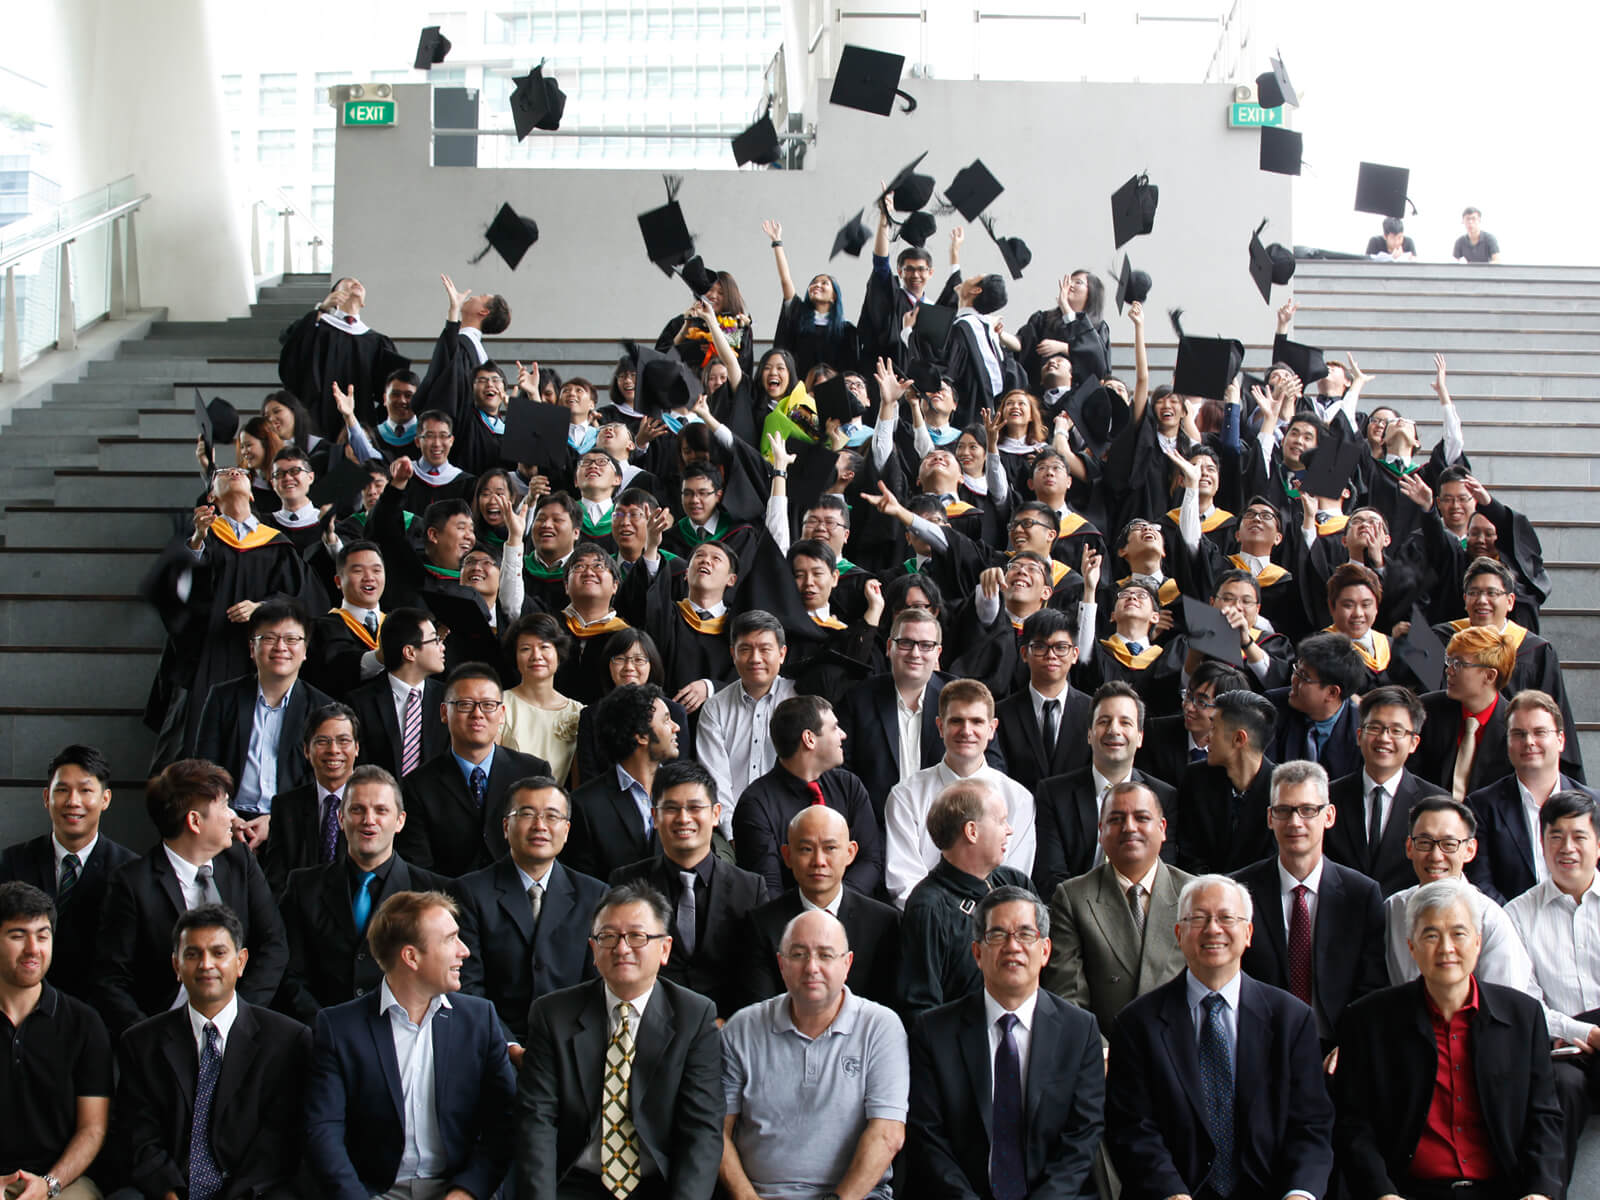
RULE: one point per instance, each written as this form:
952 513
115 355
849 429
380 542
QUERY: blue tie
1008 1175
361 906
1197 755
1314 743
1135 648
479 783
1216 1085
205 1179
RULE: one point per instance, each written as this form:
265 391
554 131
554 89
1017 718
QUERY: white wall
1061 149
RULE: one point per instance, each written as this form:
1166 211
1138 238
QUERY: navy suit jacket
1067 824
381 740
73 966
872 728
446 832
1504 867
355 1110
1020 742
607 832
1283 1118
1340 754
230 714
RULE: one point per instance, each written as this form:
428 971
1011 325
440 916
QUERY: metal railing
283 237
67 269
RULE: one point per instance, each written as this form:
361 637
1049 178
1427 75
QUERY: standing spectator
1475 246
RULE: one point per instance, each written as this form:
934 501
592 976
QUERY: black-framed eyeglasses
1306 812
637 939
1196 699
1052 649
1428 845
549 816
1378 729
467 707
1026 936
907 645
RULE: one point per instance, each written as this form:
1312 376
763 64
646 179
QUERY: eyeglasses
1030 523
1306 812
230 473
1198 921
1460 664
289 472
1306 679
1264 515
631 660
1485 593
637 939
467 707
1427 845
800 955
670 812
548 816
1132 594
344 741
698 493
1026 936
822 523
908 645
291 640
1143 527
1052 649
434 437
1543 734
435 640
1377 729
1196 699
1247 600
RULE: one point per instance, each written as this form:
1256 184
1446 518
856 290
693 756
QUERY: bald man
818 851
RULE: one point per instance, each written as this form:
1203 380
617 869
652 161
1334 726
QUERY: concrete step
166 423
1589 741
176 489
34 477
1541 503
113 394
1524 339
28 737
36 444
55 676
134 453
1312 321
193 370
58 571
1574 630
1498 274
246 397
1573 582
1497 467
1534 436
1570 541
45 525
78 621
126 821
1582 678
1313 303
201 346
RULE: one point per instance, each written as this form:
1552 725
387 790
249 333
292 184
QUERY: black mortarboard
459 609
767 584
758 144
1206 366
667 240
340 484
432 46
834 400
973 190
933 324
1382 190
698 276
1210 633
1273 87
1133 209
909 190
1305 361
925 376
1280 150
510 236
1260 265
1330 466
218 420
536 103
852 238
663 380
1133 287
1101 415
918 228
1014 251
1423 652
868 80
536 433
1282 263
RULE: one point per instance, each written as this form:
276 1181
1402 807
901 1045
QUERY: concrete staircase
95 479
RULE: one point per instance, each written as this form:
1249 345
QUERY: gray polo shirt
803 1104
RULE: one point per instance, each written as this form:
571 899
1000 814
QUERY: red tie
1300 945
815 789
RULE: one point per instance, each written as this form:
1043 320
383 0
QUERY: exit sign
369 112
1240 116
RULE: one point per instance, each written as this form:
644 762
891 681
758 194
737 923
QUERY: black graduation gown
802 337
447 387
695 352
1155 673
1089 345
419 494
974 390
585 674
884 305
691 647
1137 474
989 653
315 355
338 644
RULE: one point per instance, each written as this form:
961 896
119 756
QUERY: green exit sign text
371 112
1240 116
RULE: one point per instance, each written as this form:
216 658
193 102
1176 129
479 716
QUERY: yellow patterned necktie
619 1140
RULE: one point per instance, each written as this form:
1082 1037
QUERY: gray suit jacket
1096 959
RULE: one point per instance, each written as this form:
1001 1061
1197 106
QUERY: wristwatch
52 1185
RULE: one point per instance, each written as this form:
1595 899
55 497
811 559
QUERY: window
233 138
232 87
322 206
275 148
393 77
277 93
326 80
322 150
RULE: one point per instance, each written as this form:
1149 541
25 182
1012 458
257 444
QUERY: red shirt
1483 723
1454 1143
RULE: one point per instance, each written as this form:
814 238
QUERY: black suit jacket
329 963
675 1096
607 832
949 1127
295 840
1346 843
1434 759
868 715
445 830
514 962
134 949
1385 1083
734 893
872 927
1504 867
1020 742
1282 1121
230 714
381 741
1066 819
255 1112
73 966
1340 754
1165 753
765 808
1213 832
1348 938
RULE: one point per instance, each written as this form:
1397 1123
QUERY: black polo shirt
61 1051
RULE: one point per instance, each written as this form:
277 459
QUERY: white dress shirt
910 853
1148 884
401 691
1021 1034
188 881
1385 799
223 1021
475 335
1197 992
1530 813
732 741
832 906
909 720
1562 936
1286 885
60 852
1502 960
424 1153
1102 785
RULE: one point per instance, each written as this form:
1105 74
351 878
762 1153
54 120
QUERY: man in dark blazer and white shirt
197 861
75 797
256 1089
1339 914
1049 649
454 801
671 1138
382 1061
414 653
1007 1084
1215 1079
522 947
1390 720
1391 1045
612 825
1319 705
305 819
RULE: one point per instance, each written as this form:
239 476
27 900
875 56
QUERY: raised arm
774 231
719 342
1141 365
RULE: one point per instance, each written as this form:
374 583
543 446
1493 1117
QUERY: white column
132 283
11 355
118 307
66 314
288 242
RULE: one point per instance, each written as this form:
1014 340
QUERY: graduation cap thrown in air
510 236
1210 633
1206 366
918 228
218 420
1305 361
972 190
852 238
1282 263
925 376
1133 287
933 324
1013 250
664 382
667 240
1330 467
432 46
869 81
1260 264
833 399
536 433
1133 209
757 144
698 276
1102 414
1423 652
1273 87
1382 190
908 190
1281 150
536 103
340 484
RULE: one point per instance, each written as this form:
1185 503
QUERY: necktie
205 880
1374 825
1136 907
411 745
205 1179
1007 1172
70 866
1313 743
1197 754
1216 1085
703 613
536 902
815 789
1051 723
330 827
479 783
619 1140
1300 944
372 624
1464 752
1135 648
686 911
361 905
